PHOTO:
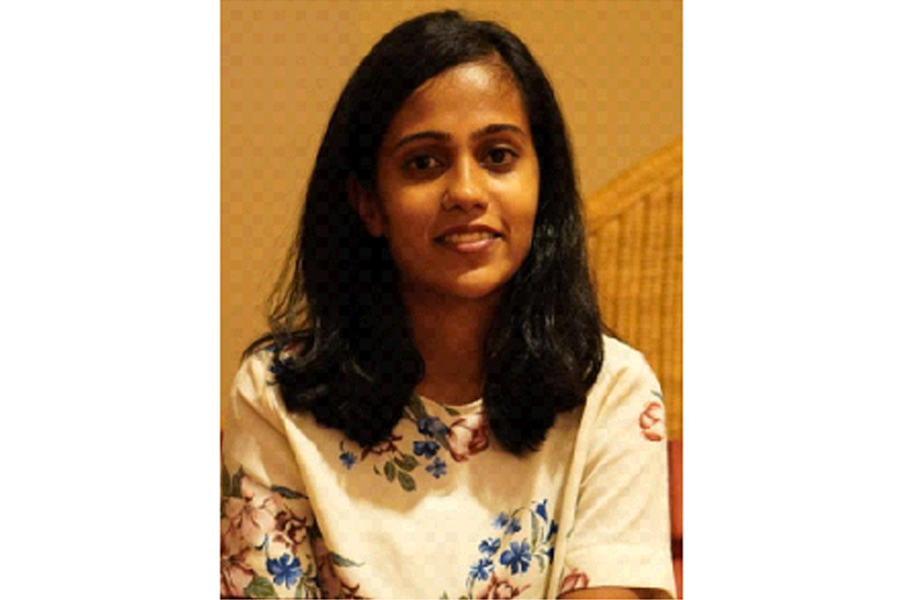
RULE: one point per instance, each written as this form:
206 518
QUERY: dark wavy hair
342 339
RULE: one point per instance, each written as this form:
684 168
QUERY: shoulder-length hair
343 347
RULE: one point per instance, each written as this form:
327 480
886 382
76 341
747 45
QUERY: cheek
402 209
408 221
528 235
522 203
522 219
408 228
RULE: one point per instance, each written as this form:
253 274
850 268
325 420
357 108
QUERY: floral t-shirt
440 510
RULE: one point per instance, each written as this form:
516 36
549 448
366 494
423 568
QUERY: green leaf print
534 530
342 561
226 482
451 411
236 483
408 462
406 482
307 588
289 493
390 470
417 408
260 587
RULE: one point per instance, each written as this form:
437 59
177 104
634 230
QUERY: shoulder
617 355
255 386
623 365
626 386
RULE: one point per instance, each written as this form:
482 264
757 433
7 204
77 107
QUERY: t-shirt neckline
454 409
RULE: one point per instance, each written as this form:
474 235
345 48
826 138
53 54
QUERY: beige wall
616 67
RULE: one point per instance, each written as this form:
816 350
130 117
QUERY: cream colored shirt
440 510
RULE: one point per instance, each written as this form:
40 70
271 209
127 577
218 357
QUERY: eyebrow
442 136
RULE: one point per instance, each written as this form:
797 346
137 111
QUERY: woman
436 412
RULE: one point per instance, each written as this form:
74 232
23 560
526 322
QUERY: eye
500 157
422 162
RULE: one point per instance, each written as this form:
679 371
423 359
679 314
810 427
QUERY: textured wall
616 67
634 226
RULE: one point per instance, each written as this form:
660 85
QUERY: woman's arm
619 545
266 519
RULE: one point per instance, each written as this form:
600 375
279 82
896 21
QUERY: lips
467 238
468 234
470 240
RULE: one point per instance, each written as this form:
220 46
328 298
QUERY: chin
470 285
476 288
476 293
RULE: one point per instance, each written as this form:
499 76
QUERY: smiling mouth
467 238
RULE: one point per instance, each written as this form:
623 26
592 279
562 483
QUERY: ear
366 206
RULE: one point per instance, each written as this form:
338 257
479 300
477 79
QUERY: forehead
468 95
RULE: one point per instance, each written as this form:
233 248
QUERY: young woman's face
457 184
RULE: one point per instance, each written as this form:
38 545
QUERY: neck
449 333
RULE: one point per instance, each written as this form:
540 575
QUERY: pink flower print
500 588
468 436
652 421
290 534
576 580
250 517
236 575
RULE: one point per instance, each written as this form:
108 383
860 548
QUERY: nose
466 188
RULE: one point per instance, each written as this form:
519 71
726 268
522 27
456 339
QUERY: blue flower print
513 526
554 527
427 449
517 557
286 572
501 520
432 426
348 459
489 546
541 510
438 468
482 569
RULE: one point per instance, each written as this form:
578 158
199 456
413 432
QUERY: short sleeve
266 519
620 536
